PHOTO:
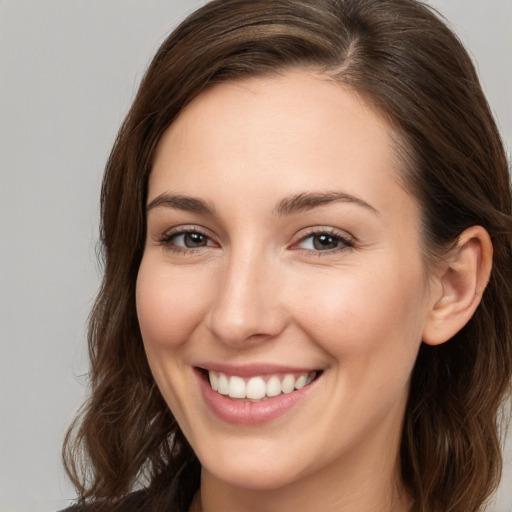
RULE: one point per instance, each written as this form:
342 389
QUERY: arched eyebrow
287 206
308 200
181 202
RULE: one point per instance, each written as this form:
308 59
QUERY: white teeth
223 384
214 381
301 382
256 388
273 386
236 387
288 384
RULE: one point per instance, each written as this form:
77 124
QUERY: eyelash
344 242
167 240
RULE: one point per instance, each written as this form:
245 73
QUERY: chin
254 477
251 464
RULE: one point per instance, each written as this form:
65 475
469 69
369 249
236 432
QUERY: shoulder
134 502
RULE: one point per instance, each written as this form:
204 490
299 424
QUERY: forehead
293 132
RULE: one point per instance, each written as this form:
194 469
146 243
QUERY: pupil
323 242
194 240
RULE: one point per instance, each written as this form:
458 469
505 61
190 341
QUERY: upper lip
252 370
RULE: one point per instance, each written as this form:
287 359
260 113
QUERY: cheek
168 309
365 314
169 306
371 327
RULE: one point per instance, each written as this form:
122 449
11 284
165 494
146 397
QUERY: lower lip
250 413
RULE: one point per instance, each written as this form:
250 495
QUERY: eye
185 240
325 242
189 240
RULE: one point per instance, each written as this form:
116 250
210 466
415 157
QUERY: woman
306 222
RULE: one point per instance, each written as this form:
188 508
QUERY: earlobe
462 282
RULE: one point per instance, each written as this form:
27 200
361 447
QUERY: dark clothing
170 491
135 502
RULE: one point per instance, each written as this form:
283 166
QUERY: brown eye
191 240
187 240
324 242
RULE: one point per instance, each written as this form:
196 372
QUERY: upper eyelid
348 241
328 230
193 228
300 236
165 239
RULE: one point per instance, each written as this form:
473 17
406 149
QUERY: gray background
68 71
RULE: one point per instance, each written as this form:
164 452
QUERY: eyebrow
287 206
309 200
180 202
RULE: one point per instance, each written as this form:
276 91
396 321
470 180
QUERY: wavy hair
404 60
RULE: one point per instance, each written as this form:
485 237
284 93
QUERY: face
282 293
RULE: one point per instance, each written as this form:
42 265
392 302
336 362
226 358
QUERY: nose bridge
247 304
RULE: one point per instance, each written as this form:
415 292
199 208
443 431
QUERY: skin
259 291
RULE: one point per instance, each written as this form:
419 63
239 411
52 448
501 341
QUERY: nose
247 306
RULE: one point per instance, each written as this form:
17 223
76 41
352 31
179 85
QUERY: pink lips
245 412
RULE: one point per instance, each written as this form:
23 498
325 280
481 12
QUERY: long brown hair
401 57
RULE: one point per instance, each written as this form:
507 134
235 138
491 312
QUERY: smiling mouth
259 388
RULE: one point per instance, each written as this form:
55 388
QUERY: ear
459 286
